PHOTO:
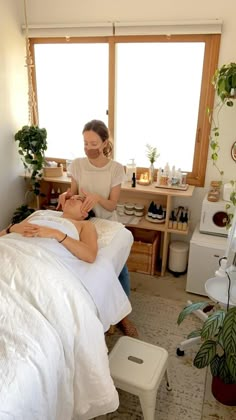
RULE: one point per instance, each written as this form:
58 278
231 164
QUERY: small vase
151 173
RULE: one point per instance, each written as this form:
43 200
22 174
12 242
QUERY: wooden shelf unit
140 194
144 195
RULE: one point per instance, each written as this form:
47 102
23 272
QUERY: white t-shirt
97 181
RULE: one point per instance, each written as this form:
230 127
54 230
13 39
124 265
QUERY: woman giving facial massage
98 178
85 248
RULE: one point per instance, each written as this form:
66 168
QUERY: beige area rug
155 318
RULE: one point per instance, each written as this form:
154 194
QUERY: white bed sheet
119 249
53 361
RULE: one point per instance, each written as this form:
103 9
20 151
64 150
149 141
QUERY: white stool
138 367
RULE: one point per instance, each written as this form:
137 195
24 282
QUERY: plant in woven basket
32 145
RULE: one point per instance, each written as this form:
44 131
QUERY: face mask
93 153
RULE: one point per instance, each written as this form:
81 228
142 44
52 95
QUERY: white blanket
53 356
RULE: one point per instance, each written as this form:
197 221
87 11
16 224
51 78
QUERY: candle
144 179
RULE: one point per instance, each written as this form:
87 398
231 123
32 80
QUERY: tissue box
49 172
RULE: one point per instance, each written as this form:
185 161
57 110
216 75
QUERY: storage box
144 251
53 171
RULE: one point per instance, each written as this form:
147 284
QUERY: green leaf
214 365
212 324
189 309
228 333
196 333
223 371
231 363
205 354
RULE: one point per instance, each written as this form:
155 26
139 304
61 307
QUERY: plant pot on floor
224 393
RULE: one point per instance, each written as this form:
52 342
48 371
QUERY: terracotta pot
224 393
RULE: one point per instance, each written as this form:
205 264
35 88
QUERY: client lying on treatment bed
70 234
58 294
83 241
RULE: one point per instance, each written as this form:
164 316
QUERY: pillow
106 230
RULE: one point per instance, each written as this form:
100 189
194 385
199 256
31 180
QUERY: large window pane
158 89
72 88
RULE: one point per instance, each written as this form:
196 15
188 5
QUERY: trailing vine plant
224 82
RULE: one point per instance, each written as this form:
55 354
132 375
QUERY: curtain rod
125 23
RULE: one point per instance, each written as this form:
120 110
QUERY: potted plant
32 145
152 154
218 348
224 82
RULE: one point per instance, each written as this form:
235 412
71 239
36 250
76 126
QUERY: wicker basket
144 251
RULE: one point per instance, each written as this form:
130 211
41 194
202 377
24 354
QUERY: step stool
138 367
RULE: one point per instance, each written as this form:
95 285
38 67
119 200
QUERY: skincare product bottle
53 198
134 180
155 212
174 218
170 224
150 209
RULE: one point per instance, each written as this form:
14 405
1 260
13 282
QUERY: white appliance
204 254
214 217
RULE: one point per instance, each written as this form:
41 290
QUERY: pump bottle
130 169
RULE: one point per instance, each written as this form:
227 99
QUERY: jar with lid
129 208
138 210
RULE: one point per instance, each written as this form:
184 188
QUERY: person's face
93 144
72 207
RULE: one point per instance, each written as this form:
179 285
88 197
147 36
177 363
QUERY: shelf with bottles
179 220
156 213
172 178
51 200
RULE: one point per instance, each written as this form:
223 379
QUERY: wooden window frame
212 46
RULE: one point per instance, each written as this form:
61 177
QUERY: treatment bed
54 311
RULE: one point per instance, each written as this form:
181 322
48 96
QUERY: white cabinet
204 254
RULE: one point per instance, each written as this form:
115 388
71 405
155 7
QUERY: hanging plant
32 145
224 82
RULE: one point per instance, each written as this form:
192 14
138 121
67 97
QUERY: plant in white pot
217 349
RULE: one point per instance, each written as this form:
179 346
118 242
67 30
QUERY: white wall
76 11
13 107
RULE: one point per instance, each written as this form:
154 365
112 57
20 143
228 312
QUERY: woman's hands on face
90 201
62 199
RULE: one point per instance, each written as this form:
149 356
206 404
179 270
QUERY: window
156 88
72 88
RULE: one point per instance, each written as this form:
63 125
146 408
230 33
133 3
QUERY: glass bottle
174 218
151 173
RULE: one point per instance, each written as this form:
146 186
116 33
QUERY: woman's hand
62 199
33 230
90 201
